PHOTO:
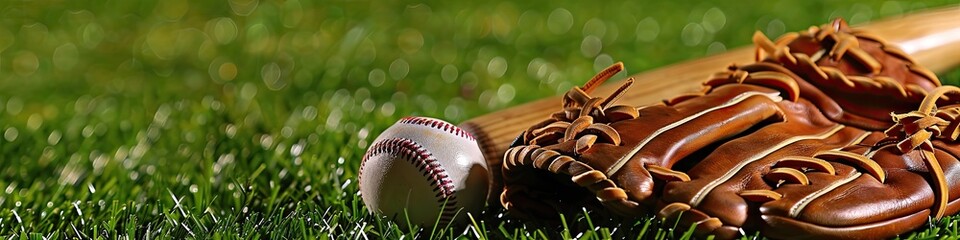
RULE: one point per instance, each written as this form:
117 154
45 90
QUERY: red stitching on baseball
426 164
439 125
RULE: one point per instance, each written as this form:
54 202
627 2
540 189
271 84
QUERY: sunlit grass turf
177 118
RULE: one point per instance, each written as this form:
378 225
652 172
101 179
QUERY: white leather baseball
428 167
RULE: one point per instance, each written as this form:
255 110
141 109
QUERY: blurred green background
248 118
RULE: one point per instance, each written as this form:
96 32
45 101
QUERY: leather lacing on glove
584 119
914 131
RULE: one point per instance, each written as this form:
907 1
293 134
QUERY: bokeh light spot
376 77
272 76
172 10
692 34
775 28
647 29
258 38
161 40
560 21
497 67
399 69
506 93
11 134
503 21
591 46
294 13
366 52
33 33
452 112
716 47
65 56
387 109
248 91
603 61
14 106
714 20
34 122
227 71
54 137
595 27
887 9
92 35
25 63
243 7
449 73
861 13
410 40
309 113
224 30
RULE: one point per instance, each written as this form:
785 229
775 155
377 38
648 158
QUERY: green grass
248 119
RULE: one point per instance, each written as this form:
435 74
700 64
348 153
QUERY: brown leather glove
764 147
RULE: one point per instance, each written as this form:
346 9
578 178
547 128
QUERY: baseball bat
932 37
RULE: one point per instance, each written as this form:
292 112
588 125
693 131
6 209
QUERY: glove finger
860 205
719 195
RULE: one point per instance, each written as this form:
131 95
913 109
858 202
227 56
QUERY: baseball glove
800 143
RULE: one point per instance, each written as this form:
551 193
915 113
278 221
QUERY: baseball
425 170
